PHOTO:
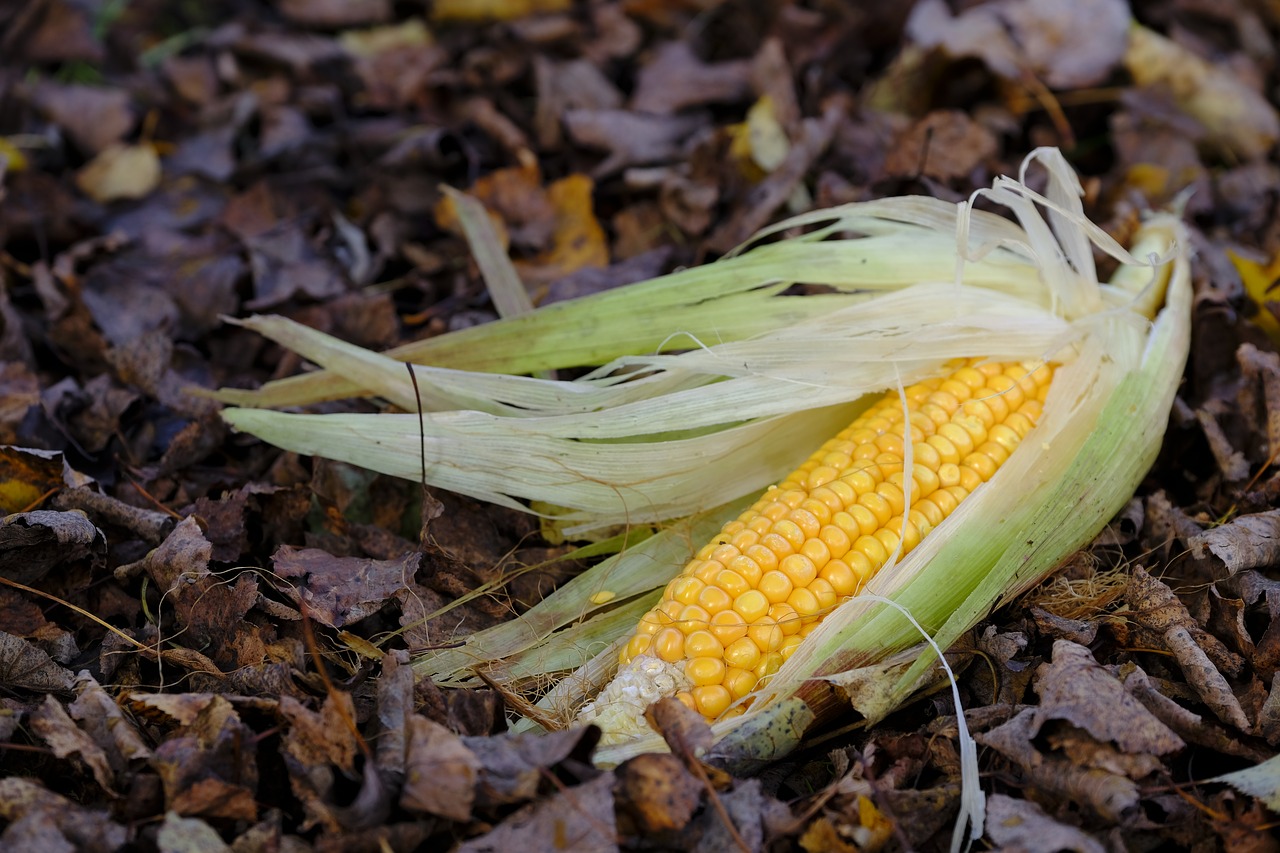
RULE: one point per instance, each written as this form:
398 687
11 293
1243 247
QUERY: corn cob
751 595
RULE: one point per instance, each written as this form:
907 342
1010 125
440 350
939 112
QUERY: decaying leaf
24 666
32 544
1247 542
1076 689
1020 824
340 590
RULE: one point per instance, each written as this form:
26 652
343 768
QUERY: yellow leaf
475 11
376 41
1260 283
25 476
11 156
120 172
578 240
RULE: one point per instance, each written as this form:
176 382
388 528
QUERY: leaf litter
205 643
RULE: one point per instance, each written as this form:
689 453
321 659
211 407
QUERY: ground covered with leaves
204 642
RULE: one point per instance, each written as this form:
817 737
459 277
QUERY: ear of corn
924 283
751 596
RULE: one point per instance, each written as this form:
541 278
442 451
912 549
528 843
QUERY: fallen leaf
26 474
1020 824
51 723
675 79
82 829
632 139
188 835
335 14
120 172
1261 781
655 793
32 544
95 117
440 772
1073 687
1109 795
579 819
1246 542
477 11
340 590
1067 46
945 144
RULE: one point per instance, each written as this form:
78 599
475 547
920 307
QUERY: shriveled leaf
32 544
1247 542
579 818
24 666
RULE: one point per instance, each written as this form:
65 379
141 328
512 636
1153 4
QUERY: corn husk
655 435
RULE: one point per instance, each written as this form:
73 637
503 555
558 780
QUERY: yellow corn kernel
751 595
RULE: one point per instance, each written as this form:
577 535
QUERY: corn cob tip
619 709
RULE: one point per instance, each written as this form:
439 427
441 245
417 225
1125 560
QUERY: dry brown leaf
440 772
82 829
1200 655
334 14
1015 824
945 144
631 139
51 723
32 544
340 590
188 835
1108 795
1074 688
675 79
1067 45
94 117
579 819
26 667
1247 542
655 793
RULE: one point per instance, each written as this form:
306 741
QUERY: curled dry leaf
579 818
655 793
1247 542
1110 796
1067 45
440 772
51 723
26 667
82 829
32 544
1200 655
340 590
